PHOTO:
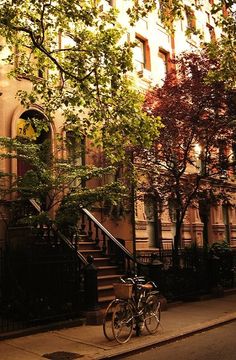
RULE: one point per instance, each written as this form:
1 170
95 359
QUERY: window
211 32
224 11
191 19
40 73
163 57
141 54
74 148
111 2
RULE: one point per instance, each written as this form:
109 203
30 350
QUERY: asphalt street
214 344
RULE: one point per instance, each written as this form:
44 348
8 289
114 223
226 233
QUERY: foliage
219 249
224 50
221 263
194 113
223 15
55 183
140 9
77 60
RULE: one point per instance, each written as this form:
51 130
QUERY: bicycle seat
147 286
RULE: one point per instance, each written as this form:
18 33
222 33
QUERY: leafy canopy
194 150
78 61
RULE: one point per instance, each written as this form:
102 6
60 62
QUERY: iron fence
43 281
39 284
198 272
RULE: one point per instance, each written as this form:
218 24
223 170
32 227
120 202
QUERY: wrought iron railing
198 272
49 281
105 241
71 243
41 274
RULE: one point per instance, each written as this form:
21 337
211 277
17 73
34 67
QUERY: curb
41 328
223 320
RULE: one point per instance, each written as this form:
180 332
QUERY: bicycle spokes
123 322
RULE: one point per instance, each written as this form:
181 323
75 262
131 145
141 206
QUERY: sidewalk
88 342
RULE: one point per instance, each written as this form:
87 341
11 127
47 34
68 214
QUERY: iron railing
106 242
42 278
198 272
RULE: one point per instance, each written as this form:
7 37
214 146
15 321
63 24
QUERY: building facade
154 47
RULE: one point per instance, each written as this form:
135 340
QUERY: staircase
110 257
107 271
46 268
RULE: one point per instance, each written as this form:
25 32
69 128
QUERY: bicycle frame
140 293
136 312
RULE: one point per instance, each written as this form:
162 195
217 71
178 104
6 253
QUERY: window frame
146 62
190 18
166 58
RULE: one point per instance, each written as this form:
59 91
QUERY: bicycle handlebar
137 280
133 280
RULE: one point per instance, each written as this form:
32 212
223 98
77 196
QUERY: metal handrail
68 242
99 225
61 236
108 234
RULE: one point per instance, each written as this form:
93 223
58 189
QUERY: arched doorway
26 129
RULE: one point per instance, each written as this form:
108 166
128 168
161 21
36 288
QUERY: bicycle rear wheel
107 320
122 322
152 314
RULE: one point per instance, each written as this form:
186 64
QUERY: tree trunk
177 241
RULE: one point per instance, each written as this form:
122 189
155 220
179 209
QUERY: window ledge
145 75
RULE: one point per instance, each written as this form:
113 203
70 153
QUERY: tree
77 62
223 13
75 56
189 157
52 183
223 49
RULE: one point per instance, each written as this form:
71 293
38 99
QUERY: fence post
156 275
93 311
155 270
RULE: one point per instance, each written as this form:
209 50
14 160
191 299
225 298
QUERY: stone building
155 46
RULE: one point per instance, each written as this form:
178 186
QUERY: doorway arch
26 129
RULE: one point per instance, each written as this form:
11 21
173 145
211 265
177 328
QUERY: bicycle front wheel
122 322
107 320
152 314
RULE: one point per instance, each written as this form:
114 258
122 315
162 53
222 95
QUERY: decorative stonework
198 234
217 228
218 233
140 225
233 235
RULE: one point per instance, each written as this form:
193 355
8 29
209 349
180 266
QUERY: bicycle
136 306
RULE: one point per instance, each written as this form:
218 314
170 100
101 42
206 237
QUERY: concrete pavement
88 342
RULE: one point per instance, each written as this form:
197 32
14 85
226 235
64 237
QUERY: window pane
163 64
139 55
